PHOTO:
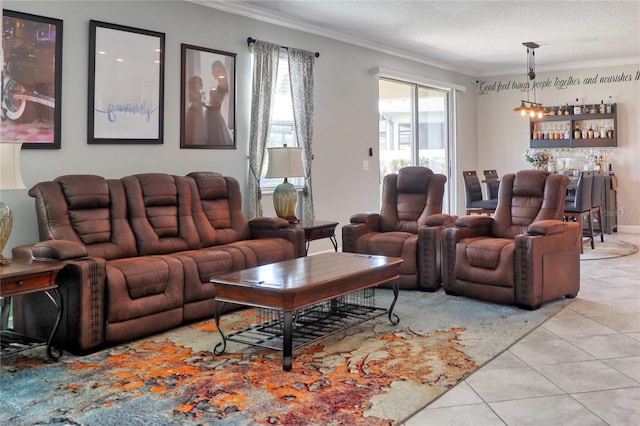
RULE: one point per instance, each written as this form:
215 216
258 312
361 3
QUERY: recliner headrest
529 183
413 179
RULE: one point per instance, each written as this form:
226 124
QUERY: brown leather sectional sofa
139 252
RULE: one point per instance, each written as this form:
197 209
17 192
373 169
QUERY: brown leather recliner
524 255
408 226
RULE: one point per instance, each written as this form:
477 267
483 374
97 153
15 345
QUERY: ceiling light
528 107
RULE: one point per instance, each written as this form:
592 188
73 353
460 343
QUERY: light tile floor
581 367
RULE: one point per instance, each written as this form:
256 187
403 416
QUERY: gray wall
346 108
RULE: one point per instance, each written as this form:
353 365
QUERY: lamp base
285 198
6 222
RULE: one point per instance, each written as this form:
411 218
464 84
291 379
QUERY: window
281 127
413 127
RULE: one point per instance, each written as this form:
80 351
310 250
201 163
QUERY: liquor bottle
576 108
603 108
577 134
590 132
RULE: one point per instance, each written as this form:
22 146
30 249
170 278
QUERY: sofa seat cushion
397 244
486 260
263 251
142 286
199 267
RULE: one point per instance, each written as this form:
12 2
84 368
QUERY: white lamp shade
285 163
10 175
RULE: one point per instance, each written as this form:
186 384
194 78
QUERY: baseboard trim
630 229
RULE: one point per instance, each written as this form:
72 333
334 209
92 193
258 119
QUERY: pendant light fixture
528 107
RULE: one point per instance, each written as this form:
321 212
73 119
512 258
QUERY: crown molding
287 22
262 15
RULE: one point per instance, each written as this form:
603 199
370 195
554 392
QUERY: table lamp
10 178
285 163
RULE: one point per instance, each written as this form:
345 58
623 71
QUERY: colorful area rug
611 247
371 374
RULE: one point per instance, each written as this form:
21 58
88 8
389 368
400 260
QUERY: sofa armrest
81 284
264 227
268 223
58 250
547 265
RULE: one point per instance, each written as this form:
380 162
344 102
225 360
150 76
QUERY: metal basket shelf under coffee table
305 299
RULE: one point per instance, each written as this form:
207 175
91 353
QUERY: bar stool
575 209
492 183
473 195
596 202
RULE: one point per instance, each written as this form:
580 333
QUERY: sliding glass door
413 128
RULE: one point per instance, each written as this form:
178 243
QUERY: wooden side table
318 229
17 279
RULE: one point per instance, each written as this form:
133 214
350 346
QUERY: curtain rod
251 40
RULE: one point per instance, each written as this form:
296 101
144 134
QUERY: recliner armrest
441 220
474 221
547 227
370 219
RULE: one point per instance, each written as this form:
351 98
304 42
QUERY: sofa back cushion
160 213
217 209
86 209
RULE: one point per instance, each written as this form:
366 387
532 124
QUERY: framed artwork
31 85
207 98
126 85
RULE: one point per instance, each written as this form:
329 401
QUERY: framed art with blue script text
126 85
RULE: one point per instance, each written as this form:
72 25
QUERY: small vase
539 165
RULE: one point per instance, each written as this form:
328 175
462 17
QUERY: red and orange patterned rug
373 373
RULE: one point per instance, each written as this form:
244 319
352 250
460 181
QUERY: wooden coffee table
323 294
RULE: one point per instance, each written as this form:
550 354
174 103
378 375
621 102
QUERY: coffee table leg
287 342
393 318
219 307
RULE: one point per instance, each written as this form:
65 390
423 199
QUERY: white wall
346 120
503 136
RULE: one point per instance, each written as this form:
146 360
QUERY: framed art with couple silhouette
207 98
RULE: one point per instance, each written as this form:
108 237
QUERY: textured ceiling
478 38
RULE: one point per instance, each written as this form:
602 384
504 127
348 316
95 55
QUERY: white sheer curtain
265 72
301 71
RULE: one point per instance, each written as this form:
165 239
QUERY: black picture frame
207 98
126 85
31 81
